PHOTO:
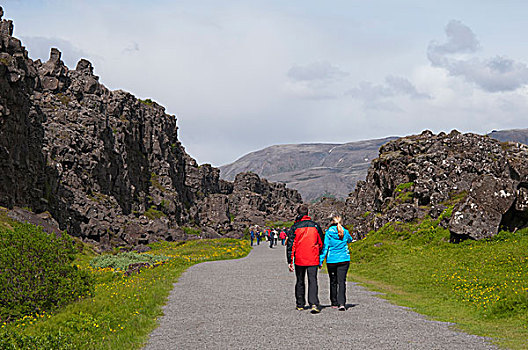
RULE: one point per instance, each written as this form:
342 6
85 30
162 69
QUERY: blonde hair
336 219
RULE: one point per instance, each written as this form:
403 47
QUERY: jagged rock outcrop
107 166
485 180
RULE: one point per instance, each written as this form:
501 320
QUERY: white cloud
495 74
381 96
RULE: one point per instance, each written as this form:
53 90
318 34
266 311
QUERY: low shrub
36 272
122 260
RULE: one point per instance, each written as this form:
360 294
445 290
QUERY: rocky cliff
475 184
108 166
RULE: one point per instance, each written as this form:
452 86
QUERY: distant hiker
275 236
305 243
270 238
258 237
335 250
252 234
282 236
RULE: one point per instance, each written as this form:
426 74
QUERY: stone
475 221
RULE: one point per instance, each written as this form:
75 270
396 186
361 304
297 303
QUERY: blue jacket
335 250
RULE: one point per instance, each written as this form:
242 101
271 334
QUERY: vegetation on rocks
482 286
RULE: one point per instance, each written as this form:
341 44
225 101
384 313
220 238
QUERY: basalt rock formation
482 182
107 166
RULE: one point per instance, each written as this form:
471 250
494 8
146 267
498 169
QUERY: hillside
513 135
312 169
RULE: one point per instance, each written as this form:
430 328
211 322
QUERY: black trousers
313 290
337 273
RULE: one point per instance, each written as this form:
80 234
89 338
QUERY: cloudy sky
241 75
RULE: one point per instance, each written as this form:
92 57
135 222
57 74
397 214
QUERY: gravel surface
250 304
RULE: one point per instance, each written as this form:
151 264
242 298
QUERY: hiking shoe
300 308
335 306
342 308
315 309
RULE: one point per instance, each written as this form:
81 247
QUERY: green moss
154 181
153 214
405 197
403 187
147 101
5 61
279 224
191 231
63 98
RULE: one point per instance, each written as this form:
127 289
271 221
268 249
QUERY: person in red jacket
305 243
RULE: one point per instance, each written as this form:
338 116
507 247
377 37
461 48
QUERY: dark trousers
271 242
251 241
313 290
337 273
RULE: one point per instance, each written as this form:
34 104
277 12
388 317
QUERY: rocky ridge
477 185
107 166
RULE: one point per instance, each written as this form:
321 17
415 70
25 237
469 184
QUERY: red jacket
307 243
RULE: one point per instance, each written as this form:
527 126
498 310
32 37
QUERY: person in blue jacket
335 250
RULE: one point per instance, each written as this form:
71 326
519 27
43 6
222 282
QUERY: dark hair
302 210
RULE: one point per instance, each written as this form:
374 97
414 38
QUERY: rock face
484 180
315 170
107 166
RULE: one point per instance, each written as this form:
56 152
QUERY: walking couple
306 252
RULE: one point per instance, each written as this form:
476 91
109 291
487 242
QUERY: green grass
123 309
191 231
279 224
482 286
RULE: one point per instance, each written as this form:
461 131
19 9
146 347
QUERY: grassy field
482 286
123 309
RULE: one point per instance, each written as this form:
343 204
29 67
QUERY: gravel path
250 304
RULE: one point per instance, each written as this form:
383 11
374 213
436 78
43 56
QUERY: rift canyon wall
107 166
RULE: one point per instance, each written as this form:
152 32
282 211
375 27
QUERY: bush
36 272
122 260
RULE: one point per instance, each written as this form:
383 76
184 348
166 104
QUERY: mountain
108 167
513 135
331 170
315 170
